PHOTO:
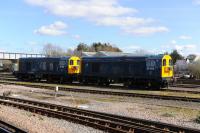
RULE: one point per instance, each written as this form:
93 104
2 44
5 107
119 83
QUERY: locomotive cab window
71 62
78 62
164 62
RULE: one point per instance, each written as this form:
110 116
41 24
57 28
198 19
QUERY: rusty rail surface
8 128
99 120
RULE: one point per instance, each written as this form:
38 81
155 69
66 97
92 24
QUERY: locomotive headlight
167 69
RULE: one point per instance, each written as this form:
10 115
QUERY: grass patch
197 120
29 114
40 118
36 95
177 111
170 114
109 99
77 101
80 101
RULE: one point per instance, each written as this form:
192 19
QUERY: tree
82 47
96 47
176 56
55 51
194 68
191 57
7 65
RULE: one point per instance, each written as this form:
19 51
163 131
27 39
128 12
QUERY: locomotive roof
66 57
45 58
126 56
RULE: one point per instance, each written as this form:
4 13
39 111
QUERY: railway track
8 128
186 85
180 83
103 121
174 89
117 87
106 92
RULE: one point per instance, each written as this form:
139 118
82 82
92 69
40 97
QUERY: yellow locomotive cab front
74 65
167 67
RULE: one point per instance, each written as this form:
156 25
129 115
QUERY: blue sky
156 26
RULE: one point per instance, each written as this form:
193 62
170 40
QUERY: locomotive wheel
49 80
85 82
107 83
128 84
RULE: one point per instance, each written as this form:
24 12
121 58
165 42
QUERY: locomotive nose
75 67
167 69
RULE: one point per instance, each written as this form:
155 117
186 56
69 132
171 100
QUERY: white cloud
146 30
32 43
131 48
185 37
1 50
100 12
83 8
55 29
123 21
185 47
173 41
197 2
137 50
77 37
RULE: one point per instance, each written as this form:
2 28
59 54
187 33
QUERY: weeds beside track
106 92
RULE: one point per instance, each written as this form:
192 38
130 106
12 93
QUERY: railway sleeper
88 120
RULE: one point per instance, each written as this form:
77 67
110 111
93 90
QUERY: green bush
198 119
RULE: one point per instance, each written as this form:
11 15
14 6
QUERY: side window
78 62
62 64
71 62
44 66
164 62
51 66
41 65
55 66
150 64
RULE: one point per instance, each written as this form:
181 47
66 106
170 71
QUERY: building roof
88 53
197 58
112 54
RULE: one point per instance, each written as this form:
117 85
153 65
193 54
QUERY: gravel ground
34 123
174 112
186 89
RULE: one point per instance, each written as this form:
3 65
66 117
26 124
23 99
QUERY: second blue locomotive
148 71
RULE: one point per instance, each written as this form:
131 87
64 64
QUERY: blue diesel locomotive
148 71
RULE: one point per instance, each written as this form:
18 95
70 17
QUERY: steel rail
98 123
115 93
122 88
8 128
183 91
186 85
11 78
100 115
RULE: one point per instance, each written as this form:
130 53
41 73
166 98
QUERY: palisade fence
15 56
